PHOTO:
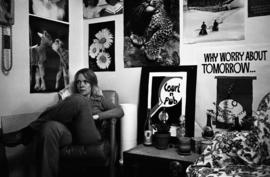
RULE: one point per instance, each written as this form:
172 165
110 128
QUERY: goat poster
151 33
49 56
207 21
232 83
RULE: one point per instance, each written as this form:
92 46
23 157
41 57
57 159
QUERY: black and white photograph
102 8
151 33
210 21
101 50
49 55
51 9
135 88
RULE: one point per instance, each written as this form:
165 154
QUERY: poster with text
232 83
168 91
151 33
49 55
258 8
207 21
101 50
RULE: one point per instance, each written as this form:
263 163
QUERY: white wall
15 97
124 80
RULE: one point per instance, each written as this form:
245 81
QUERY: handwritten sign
171 91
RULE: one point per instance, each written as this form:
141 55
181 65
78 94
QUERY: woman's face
83 86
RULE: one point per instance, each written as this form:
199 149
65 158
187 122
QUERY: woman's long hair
91 77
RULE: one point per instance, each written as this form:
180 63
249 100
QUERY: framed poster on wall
171 89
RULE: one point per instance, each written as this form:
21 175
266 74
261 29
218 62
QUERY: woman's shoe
12 139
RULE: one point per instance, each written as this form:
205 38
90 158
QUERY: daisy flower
105 37
103 60
94 49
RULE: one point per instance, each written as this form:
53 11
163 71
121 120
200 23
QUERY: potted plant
162 128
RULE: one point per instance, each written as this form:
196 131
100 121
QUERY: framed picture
171 89
7 12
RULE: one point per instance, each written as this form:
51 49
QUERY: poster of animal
49 56
101 8
208 21
101 50
151 33
51 9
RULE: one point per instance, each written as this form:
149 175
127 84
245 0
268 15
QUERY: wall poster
101 50
101 8
54 10
232 83
151 33
258 8
169 89
49 56
206 21
7 12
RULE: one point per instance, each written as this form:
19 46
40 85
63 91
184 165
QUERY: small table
148 161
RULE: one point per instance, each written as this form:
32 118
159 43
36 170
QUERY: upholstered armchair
243 154
103 159
75 160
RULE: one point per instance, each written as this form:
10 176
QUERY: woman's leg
76 112
52 136
23 136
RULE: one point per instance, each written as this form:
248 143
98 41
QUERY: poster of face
101 48
232 84
258 8
169 92
151 33
206 21
101 8
51 9
49 56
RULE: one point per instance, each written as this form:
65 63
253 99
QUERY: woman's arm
110 110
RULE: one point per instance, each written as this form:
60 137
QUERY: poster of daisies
101 46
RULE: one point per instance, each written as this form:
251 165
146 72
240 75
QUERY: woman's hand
96 116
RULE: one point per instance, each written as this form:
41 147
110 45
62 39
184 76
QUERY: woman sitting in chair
69 121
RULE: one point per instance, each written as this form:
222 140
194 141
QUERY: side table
148 161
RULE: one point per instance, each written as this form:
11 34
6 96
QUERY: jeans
69 121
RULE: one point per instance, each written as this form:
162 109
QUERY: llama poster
49 56
208 21
151 33
101 46
50 9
